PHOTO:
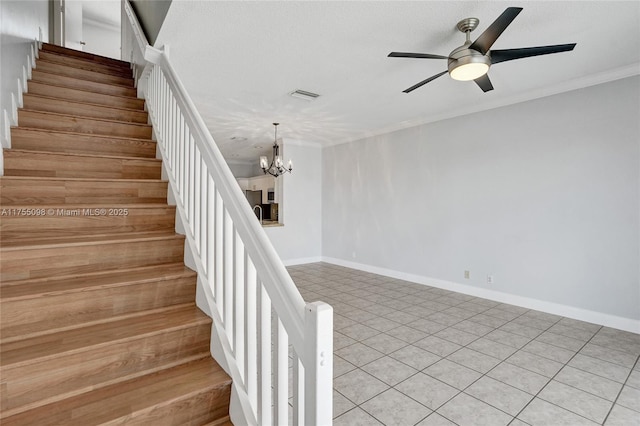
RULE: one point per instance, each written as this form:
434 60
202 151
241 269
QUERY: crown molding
567 86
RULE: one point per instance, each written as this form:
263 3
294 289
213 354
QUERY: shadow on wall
151 15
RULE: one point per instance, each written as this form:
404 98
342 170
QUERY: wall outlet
466 274
353 254
489 279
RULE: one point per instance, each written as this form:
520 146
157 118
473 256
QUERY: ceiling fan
471 61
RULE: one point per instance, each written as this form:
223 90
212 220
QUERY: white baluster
211 241
281 373
228 276
191 192
218 269
202 197
165 117
197 164
265 355
298 390
238 303
251 334
175 112
171 126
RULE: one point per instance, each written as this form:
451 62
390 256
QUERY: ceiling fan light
470 71
467 64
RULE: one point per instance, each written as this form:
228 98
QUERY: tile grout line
502 361
621 389
554 376
462 346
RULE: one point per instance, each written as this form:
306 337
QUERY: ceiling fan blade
423 82
415 55
498 56
484 83
491 34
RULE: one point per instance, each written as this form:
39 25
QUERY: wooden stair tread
22 289
33 190
52 221
83 124
81 339
34 307
85 107
11 151
88 240
38 178
85 55
128 399
75 93
27 162
225 421
93 135
83 74
92 206
87 85
57 114
83 63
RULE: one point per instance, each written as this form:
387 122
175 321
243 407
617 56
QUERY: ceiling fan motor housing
463 57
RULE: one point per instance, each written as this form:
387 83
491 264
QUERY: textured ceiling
239 60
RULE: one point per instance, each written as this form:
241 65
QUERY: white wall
101 39
21 22
300 239
544 195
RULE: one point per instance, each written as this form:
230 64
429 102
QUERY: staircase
98 316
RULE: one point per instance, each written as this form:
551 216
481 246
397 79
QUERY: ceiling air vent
303 94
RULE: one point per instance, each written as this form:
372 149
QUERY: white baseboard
302 261
608 320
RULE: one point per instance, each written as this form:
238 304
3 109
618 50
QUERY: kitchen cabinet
261 183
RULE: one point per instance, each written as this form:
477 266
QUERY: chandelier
276 168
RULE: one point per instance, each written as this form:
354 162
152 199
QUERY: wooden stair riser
46 312
194 410
46 47
70 71
45 164
161 397
62 106
93 366
224 421
70 123
34 191
80 143
91 86
79 220
73 94
85 64
21 263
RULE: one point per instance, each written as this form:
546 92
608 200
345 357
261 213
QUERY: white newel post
318 392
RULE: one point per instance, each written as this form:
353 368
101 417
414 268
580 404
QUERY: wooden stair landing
98 323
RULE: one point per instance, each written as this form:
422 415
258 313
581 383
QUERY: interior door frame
63 27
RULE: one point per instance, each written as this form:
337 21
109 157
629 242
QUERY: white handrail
249 293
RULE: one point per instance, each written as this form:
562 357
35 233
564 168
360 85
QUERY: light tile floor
408 354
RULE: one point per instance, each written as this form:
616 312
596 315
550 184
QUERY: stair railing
258 313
